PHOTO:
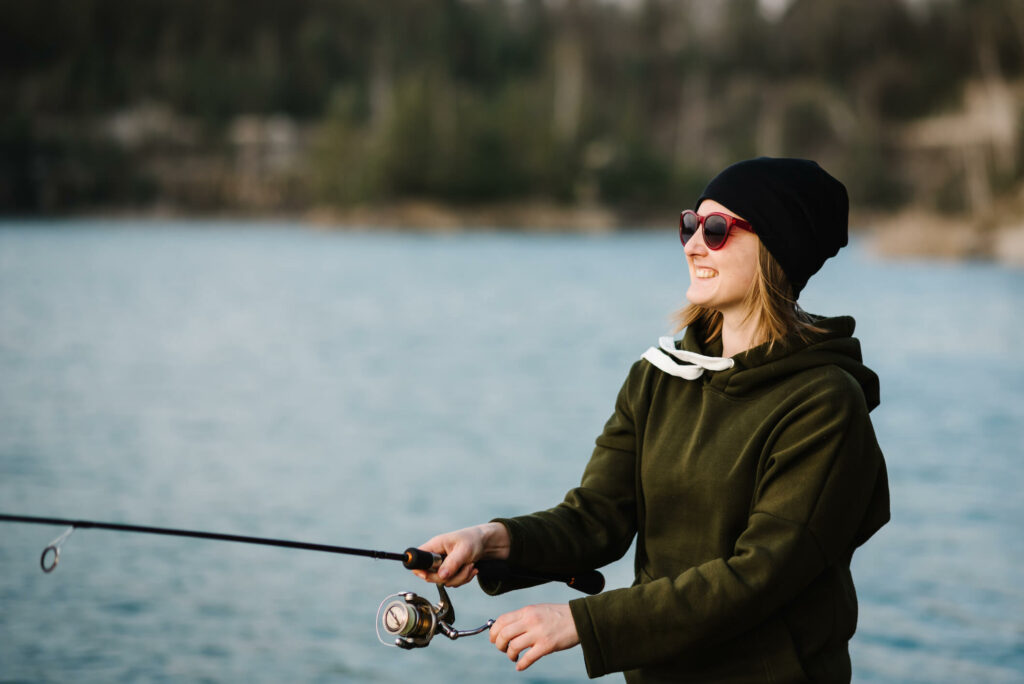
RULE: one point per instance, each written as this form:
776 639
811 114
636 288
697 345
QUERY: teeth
705 273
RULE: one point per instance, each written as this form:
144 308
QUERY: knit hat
796 209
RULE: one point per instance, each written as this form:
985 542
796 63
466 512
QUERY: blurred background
509 112
361 272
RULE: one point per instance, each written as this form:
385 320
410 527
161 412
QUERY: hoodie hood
760 367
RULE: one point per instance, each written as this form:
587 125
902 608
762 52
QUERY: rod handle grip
589 581
418 559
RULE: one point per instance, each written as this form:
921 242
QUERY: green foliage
475 101
343 164
871 171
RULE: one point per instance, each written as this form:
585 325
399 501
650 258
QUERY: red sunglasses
717 227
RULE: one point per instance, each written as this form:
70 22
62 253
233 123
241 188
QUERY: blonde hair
770 298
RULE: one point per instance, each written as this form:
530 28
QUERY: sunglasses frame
730 223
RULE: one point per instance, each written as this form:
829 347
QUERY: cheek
744 271
747 263
748 278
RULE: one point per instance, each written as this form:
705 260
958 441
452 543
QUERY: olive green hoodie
747 490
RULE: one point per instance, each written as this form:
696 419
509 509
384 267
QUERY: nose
695 246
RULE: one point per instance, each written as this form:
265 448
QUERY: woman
742 459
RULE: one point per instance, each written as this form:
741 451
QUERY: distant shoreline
922 234
908 234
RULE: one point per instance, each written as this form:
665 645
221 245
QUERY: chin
698 298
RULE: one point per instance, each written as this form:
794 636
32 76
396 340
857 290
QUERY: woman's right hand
461 549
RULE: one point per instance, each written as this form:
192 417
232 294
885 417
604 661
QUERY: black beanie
796 209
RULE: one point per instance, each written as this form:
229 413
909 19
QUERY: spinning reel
413 621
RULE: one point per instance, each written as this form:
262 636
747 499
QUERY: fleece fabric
747 490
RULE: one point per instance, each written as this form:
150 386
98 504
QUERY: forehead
709 205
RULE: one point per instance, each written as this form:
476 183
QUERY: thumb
458 556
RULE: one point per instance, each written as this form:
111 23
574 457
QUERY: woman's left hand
543 629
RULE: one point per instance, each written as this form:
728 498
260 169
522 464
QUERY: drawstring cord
693 365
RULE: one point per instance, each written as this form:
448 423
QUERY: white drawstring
696 363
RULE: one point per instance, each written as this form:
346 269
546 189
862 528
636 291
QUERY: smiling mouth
705 272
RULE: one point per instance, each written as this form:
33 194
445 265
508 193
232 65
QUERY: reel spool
413 621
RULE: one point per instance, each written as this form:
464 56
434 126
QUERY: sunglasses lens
716 229
688 225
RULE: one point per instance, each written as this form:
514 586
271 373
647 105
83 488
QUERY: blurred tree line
263 105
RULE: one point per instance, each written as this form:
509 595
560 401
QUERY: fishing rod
411 619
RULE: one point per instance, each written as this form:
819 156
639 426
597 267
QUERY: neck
739 333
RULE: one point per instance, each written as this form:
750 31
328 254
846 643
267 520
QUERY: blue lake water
373 389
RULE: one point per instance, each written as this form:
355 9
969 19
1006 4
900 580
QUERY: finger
532 655
518 645
434 544
428 576
433 547
455 562
502 640
442 546
502 623
459 576
464 575
506 635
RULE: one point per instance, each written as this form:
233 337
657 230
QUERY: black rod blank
84 524
589 582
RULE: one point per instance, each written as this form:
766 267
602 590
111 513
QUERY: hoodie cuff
588 638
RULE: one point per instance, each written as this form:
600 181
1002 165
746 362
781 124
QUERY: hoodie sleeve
814 501
596 522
